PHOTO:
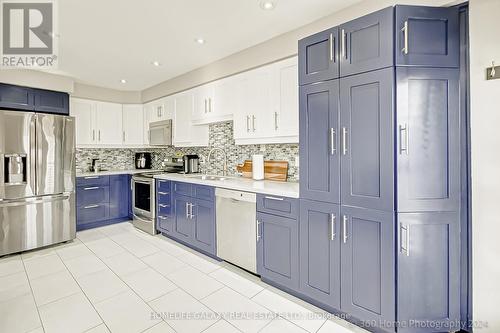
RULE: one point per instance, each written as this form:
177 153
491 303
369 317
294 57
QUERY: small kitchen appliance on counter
142 160
191 164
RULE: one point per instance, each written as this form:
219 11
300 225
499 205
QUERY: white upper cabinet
285 95
267 101
158 110
214 102
185 134
133 125
108 123
83 111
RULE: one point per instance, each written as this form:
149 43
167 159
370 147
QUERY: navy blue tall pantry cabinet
379 229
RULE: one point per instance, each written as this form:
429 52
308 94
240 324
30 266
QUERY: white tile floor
118 279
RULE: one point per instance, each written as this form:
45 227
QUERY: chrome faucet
224 172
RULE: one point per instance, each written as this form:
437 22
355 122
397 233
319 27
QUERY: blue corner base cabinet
30 99
186 213
102 200
380 180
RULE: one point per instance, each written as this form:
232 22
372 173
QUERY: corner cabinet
380 181
194 216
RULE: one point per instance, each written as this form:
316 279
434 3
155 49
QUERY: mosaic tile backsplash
220 135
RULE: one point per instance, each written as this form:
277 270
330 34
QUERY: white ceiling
104 41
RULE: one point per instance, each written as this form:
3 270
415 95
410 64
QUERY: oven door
143 198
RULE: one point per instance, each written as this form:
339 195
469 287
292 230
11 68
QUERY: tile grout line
33 297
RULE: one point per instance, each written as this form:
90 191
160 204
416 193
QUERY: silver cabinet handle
333 142
331 47
274 198
91 177
205 105
344 141
332 226
90 188
344 227
191 215
123 136
90 206
403 148
404 241
93 135
163 205
162 217
149 136
210 105
343 50
187 210
258 231
162 193
248 126
405 38
275 121
99 135
253 123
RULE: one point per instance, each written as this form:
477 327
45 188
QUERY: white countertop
285 189
114 172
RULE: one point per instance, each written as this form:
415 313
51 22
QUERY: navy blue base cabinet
193 221
102 200
30 99
380 176
278 240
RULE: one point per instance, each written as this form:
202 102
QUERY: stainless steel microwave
160 133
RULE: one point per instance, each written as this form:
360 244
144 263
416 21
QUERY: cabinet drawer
203 192
92 213
163 186
283 206
164 207
92 181
182 188
165 223
90 195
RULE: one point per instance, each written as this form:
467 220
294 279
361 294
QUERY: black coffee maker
142 160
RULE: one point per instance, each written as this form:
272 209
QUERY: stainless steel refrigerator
37 180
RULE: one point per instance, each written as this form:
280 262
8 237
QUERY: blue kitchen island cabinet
319 57
194 216
278 240
102 200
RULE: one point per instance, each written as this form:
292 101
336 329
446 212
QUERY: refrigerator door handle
35 200
31 177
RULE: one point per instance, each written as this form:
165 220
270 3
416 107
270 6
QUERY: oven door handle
140 219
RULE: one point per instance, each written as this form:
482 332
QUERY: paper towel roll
258 167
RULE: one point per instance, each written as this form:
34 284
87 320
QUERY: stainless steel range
144 196
37 180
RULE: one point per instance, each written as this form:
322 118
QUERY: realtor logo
28 34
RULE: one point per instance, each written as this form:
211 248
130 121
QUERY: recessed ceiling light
267 5
123 81
156 63
200 40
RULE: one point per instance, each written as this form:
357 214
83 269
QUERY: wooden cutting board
273 170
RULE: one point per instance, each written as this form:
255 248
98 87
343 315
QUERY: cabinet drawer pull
187 210
163 205
191 215
210 105
344 141
331 47
91 188
332 226
91 177
163 193
90 206
343 51
93 135
205 105
258 231
405 38
163 218
274 198
344 227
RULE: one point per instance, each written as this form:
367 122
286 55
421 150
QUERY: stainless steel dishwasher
237 228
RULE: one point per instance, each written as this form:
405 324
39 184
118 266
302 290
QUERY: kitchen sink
208 177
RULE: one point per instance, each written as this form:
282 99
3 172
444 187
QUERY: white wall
485 140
